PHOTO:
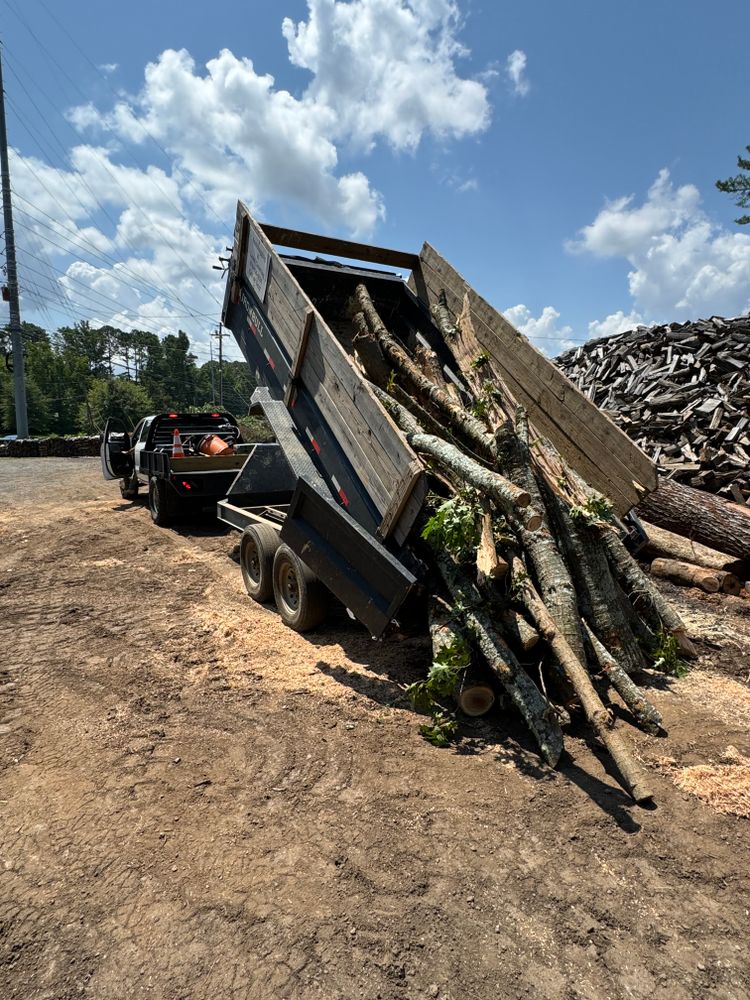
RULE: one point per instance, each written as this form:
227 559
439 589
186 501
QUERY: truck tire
129 489
160 504
300 597
258 546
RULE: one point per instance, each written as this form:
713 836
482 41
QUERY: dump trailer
332 505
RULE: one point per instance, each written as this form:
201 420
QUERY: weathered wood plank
376 448
603 454
315 243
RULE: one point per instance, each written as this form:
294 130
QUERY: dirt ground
195 802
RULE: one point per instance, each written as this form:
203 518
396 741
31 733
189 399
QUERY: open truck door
116 451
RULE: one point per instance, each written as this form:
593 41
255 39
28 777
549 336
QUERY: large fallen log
668 545
702 516
710 580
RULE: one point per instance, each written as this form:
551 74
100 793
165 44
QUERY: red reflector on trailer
186 484
344 498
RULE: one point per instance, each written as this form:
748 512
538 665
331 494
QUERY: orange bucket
212 444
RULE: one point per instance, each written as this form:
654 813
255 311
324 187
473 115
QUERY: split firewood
367 352
667 545
710 580
490 566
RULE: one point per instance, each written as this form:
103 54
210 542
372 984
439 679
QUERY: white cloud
109 68
387 68
516 70
682 264
382 71
617 322
543 330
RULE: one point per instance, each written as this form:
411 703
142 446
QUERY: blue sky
561 155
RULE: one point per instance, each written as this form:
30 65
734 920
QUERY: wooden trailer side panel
377 449
592 444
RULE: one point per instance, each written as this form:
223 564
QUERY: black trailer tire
258 546
301 598
129 489
160 503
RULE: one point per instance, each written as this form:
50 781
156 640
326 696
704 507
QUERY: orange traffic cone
177 450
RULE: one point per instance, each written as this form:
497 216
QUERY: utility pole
213 384
220 335
19 383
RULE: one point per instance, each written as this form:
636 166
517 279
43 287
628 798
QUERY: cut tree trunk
704 517
511 499
710 580
490 566
460 420
475 696
536 710
600 719
646 597
643 711
667 545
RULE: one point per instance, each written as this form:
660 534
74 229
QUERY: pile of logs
681 392
49 447
532 582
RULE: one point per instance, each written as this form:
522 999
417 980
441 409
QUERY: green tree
739 186
113 398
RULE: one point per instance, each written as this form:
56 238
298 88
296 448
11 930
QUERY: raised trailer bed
347 486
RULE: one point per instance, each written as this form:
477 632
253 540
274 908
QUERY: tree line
78 376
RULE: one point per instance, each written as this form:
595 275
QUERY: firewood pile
534 592
681 392
49 447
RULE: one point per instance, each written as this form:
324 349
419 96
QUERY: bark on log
368 354
429 362
646 597
525 695
704 517
688 575
463 423
665 544
643 711
552 575
599 597
490 566
600 719
511 499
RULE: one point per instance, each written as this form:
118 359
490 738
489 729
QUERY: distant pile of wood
50 447
681 392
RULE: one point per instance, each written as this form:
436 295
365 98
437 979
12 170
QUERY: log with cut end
475 695
525 695
643 711
510 498
704 517
458 419
490 566
667 545
689 575
600 719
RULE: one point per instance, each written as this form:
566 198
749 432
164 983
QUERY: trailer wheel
300 597
257 548
159 502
